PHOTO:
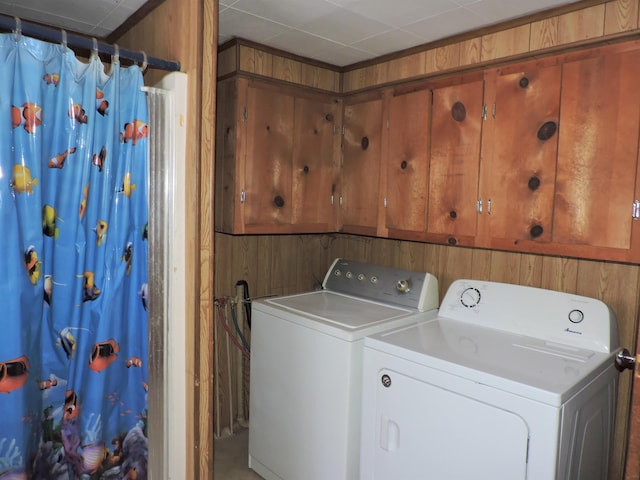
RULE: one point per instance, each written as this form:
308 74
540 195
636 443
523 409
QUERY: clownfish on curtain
73 281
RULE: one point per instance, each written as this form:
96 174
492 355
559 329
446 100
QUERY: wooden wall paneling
559 273
227 61
453 263
360 78
504 267
620 16
406 67
531 267
286 69
312 254
471 51
442 58
544 34
505 43
581 25
322 78
263 63
247 60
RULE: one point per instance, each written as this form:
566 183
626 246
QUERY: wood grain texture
361 152
597 157
544 34
620 16
470 51
406 160
442 58
505 43
227 61
406 67
581 25
286 69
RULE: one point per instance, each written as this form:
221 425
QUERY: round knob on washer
403 286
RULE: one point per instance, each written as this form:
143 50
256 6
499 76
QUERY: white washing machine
306 365
508 382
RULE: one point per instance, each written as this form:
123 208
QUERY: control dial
403 286
470 297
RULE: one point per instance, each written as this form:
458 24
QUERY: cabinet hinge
245 114
242 196
635 210
484 111
385 202
331 199
344 130
479 205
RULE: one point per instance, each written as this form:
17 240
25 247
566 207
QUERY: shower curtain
73 265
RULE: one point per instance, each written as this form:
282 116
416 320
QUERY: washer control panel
549 315
406 288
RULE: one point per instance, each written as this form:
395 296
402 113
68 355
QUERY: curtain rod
88 43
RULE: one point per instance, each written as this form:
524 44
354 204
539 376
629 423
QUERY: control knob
403 286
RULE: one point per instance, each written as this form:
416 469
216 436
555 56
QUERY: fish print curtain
73 265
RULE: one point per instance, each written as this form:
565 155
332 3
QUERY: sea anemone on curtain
73 265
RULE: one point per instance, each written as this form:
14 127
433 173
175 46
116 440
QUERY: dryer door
427 431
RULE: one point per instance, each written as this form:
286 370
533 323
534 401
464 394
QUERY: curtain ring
144 62
115 58
63 34
18 30
95 47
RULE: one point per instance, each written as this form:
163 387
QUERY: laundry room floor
231 456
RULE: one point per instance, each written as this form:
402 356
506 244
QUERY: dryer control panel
406 288
555 317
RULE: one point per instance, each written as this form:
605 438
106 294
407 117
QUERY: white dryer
306 365
508 382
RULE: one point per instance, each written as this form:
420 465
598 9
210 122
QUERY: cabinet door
360 195
407 161
519 150
314 171
598 151
455 157
269 149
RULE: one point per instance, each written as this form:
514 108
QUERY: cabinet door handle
479 205
635 210
489 207
242 196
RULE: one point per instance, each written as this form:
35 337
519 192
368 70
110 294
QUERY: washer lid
530 367
337 314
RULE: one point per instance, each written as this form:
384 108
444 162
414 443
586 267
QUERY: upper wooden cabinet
405 159
597 175
519 151
276 171
539 156
360 198
455 162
